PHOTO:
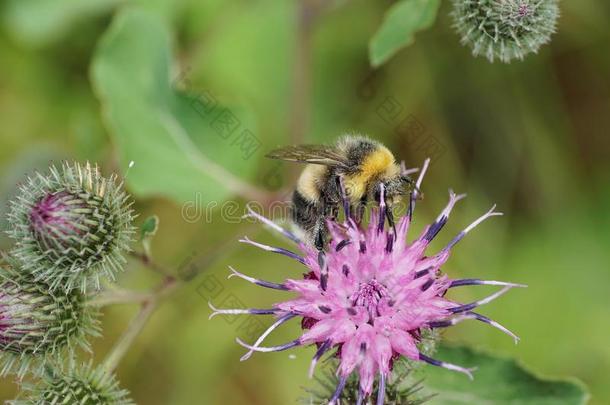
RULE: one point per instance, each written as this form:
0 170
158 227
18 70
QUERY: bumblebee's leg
359 209
303 210
319 243
319 236
344 198
355 211
390 216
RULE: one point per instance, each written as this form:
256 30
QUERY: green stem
130 334
149 304
119 297
151 264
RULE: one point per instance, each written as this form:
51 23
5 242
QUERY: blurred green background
98 80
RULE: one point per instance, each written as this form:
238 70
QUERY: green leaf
147 231
40 22
149 227
398 29
188 147
497 381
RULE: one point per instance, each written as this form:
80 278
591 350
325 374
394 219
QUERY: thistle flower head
71 226
505 29
370 295
37 326
83 385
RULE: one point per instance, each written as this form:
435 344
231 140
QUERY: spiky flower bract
38 326
370 295
401 388
505 29
83 385
71 226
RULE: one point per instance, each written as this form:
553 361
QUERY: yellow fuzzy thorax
379 164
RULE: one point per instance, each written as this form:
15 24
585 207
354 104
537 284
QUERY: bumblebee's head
395 188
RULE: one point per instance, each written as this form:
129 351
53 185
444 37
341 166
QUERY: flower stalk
130 334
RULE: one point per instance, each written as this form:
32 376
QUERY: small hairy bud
505 29
83 385
71 226
37 326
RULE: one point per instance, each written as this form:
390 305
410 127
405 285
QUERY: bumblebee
355 167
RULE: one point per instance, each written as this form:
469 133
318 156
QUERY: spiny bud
71 226
505 29
37 326
83 385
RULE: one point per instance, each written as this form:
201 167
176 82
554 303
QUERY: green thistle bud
505 29
37 326
82 385
71 226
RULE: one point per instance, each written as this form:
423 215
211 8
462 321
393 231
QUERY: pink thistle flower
370 295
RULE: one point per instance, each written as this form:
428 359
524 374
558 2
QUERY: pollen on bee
379 163
376 163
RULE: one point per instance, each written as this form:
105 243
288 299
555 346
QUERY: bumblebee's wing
315 154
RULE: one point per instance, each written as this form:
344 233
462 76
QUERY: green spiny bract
38 326
83 385
71 226
401 389
505 29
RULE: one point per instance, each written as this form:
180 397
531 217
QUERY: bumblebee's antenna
416 191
